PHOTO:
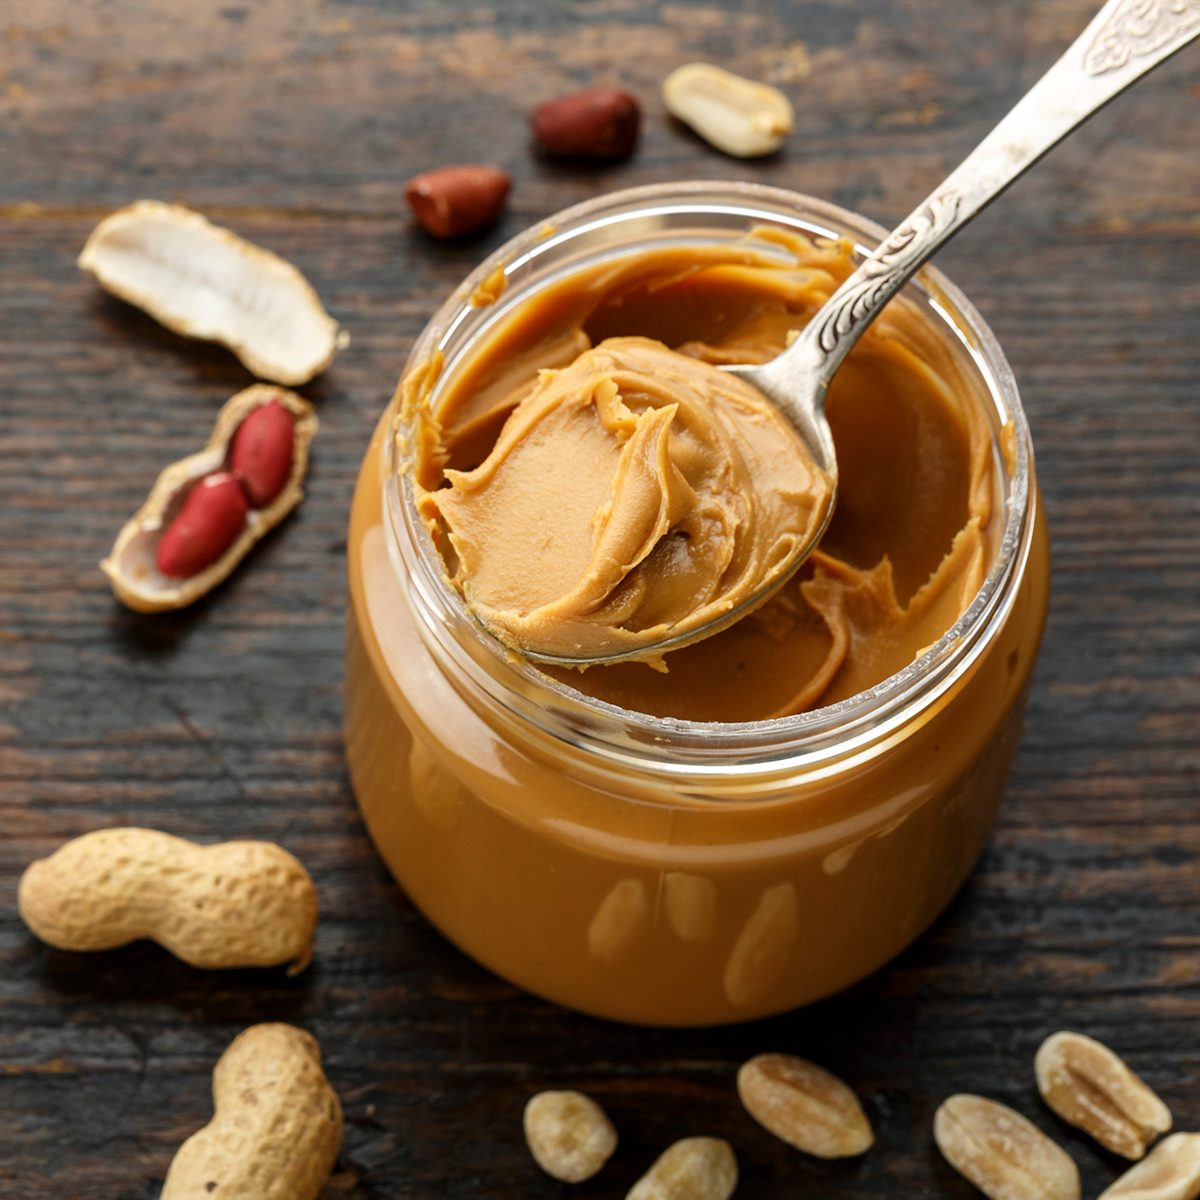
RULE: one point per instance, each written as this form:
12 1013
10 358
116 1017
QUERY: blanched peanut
1171 1171
740 117
569 1135
698 1168
1092 1089
1001 1153
805 1106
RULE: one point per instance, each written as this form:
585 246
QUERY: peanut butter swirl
631 497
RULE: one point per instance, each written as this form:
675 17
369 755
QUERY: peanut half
1001 1153
698 1168
276 1127
1171 1171
234 904
1092 1089
600 123
206 511
206 282
804 1105
569 1135
454 202
736 115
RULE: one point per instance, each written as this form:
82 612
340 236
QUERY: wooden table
297 122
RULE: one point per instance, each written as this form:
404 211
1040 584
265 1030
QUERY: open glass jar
652 869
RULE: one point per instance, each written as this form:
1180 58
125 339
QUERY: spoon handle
1125 40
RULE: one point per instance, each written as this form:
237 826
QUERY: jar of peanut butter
767 815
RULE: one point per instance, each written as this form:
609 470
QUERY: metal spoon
1126 39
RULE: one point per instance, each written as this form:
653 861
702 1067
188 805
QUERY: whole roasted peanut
212 516
698 1168
1092 1089
452 202
233 904
276 1127
262 452
1001 1153
569 1135
1171 1171
598 123
804 1105
205 512
740 117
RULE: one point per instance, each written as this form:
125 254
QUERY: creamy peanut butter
632 496
592 481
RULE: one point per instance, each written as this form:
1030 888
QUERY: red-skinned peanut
262 452
600 123
209 522
451 202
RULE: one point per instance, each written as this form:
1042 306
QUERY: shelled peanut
233 904
805 1106
276 1128
1090 1087
206 511
568 1134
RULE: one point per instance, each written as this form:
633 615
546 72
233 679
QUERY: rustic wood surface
297 122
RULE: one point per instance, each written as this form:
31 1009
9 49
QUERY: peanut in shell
131 565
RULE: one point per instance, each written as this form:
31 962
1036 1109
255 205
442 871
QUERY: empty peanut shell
206 282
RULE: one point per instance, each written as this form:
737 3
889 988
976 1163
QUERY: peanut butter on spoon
631 498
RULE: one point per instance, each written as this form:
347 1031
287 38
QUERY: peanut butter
632 496
593 482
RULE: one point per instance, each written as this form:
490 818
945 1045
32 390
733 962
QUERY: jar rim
519 691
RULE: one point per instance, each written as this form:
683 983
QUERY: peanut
736 115
206 511
1171 1171
212 516
698 1168
805 1106
1092 1089
234 904
453 202
1001 1153
262 451
597 123
569 1135
276 1127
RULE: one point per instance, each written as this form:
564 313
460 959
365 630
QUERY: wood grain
296 123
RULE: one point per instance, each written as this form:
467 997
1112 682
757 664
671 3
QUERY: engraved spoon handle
1125 40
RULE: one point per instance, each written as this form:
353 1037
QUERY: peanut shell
805 1106
276 1127
1001 1153
130 565
204 281
1092 1089
233 904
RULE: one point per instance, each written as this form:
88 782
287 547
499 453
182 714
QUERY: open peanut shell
131 567
204 281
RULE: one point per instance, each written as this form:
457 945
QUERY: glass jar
657 870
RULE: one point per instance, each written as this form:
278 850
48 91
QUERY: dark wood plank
297 124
